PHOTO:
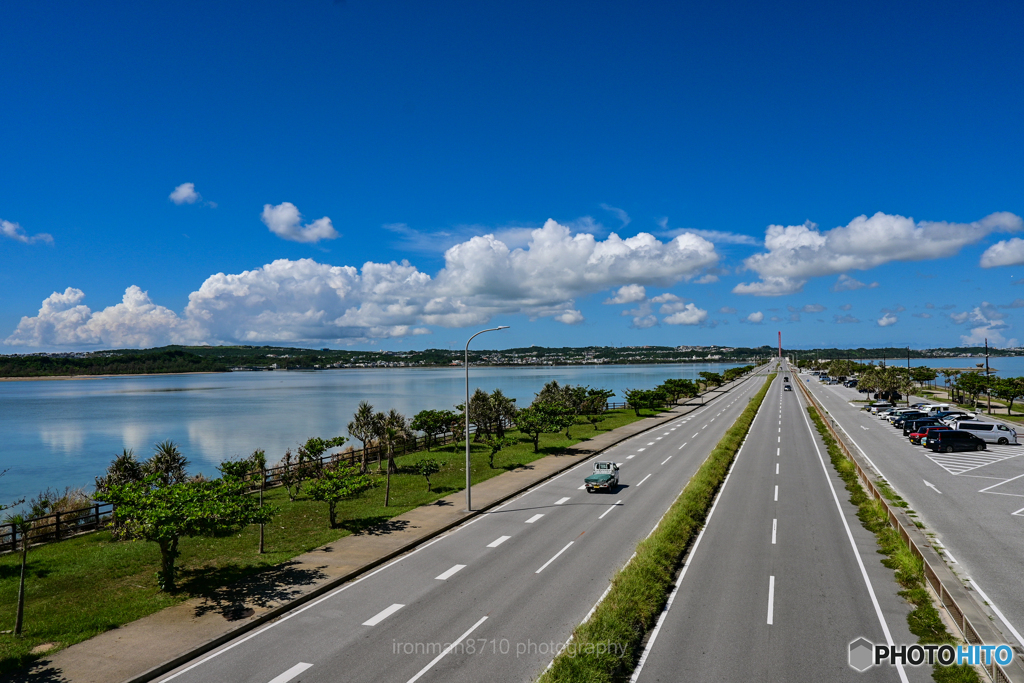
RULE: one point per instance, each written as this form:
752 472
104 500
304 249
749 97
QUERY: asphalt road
784 576
507 588
973 502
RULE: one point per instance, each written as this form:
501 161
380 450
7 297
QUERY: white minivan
933 408
991 432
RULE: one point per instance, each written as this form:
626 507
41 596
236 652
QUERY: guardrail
962 608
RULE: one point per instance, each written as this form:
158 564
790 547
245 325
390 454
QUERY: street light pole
465 413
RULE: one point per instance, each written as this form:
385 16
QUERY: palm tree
259 469
167 463
23 525
394 429
361 427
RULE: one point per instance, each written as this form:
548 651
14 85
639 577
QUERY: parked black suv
955 440
911 426
902 419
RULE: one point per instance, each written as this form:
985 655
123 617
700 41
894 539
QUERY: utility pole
988 387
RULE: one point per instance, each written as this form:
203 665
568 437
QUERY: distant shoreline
46 378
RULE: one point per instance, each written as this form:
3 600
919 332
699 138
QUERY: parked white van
933 408
991 432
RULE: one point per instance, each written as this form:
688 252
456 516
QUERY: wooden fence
57 526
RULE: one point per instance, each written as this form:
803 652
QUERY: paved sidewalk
148 647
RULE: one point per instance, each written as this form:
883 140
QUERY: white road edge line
686 566
771 599
291 673
853 545
611 507
498 541
382 615
544 566
444 652
998 613
643 480
450 573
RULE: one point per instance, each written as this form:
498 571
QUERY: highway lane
514 582
973 502
783 578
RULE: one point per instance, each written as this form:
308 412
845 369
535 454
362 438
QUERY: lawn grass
84 586
639 591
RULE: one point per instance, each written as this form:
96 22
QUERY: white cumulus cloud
887 319
285 221
797 253
755 317
303 300
689 315
17 233
628 294
845 283
1004 253
185 194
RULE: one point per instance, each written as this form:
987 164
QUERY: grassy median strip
924 620
84 586
639 591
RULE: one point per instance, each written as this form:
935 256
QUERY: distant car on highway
954 440
787 387
921 436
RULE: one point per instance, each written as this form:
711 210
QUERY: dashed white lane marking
291 673
776 493
778 452
643 480
659 438
450 573
543 566
561 501
444 652
704 427
666 433
776 468
381 616
495 543
640 450
533 519
610 508
651 443
771 598
780 439
582 487
666 460
681 447
630 457
774 521
695 435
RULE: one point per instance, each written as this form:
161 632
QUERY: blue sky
398 175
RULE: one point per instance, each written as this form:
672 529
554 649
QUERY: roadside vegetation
639 591
924 620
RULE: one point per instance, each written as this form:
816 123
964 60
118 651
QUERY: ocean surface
59 433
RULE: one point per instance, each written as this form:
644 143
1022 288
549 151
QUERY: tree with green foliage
334 485
481 414
432 423
361 427
427 467
23 526
164 514
167 464
539 418
503 409
652 399
711 379
973 384
496 445
922 374
1008 389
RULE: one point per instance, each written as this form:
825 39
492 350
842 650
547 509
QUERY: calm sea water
65 432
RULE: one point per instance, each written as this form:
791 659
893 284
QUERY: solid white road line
949 555
853 543
291 673
498 541
450 573
774 521
381 616
561 501
543 566
643 480
666 460
771 598
681 447
444 652
533 519
776 493
610 508
998 613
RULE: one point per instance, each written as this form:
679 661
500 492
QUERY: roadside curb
331 584
960 604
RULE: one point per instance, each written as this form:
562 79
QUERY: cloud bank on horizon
304 300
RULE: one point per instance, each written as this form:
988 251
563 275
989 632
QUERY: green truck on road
604 478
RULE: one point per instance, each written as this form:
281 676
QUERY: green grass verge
84 586
639 591
924 620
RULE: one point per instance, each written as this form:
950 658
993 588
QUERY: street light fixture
465 412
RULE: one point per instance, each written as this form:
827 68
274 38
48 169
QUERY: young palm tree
167 463
259 469
23 526
361 427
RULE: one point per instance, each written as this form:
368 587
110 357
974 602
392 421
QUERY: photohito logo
864 654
